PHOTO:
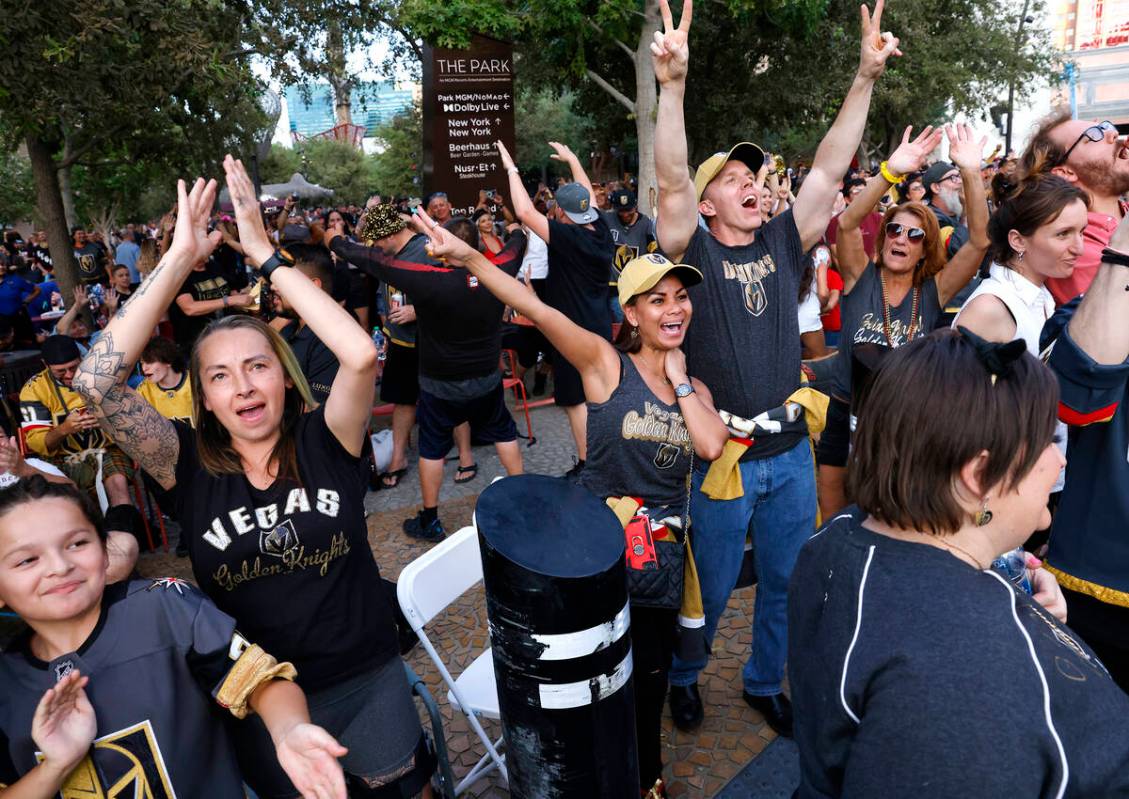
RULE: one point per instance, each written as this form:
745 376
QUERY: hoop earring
983 516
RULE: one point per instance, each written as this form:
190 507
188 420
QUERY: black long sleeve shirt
459 333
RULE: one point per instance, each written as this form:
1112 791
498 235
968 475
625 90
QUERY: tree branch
592 24
619 96
74 155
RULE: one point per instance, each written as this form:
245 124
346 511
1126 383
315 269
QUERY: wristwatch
683 390
280 258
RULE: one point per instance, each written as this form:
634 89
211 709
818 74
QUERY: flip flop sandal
396 476
472 469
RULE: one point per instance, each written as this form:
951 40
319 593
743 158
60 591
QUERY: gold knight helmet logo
126 764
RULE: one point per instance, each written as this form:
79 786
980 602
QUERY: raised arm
908 157
564 154
1099 326
816 199
678 201
527 214
593 357
132 422
349 405
965 152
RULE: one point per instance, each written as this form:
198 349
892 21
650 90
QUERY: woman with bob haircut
899 295
642 378
267 492
917 670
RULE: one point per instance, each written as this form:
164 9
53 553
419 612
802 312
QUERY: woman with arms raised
646 420
267 492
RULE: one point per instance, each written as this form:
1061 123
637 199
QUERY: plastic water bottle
1013 566
381 344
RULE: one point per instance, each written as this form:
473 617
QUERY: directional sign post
468 104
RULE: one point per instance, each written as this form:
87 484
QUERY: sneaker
414 528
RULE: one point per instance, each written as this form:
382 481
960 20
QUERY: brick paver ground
697 765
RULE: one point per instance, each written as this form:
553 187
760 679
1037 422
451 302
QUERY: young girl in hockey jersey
110 686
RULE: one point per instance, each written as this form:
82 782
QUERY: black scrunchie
997 357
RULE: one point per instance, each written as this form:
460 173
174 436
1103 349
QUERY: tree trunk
646 107
67 194
339 78
49 202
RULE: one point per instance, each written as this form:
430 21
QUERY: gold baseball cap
643 273
746 152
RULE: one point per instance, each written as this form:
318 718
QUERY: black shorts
360 290
490 421
835 440
568 389
399 383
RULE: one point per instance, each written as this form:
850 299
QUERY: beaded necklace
886 311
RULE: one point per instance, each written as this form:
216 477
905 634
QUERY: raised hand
910 155
877 45
964 150
504 154
10 458
670 51
674 364
442 243
64 724
252 234
308 754
562 152
191 240
81 298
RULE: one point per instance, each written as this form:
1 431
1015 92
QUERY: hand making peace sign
670 51
877 46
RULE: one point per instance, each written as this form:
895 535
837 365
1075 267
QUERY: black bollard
556 598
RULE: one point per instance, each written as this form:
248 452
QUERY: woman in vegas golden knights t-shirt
268 496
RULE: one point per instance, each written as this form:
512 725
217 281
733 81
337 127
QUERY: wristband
889 176
1114 257
280 258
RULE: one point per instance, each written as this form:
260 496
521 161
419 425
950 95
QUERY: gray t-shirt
864 323
744 341
630 242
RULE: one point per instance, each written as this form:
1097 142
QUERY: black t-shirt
915 674
744 339
159 650
292 562
318 362
580 261
228 263
89 258
459 322
208 283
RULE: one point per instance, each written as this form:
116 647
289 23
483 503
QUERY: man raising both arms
745 342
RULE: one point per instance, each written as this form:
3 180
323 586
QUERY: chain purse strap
689 491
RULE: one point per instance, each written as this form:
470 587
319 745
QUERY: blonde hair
148 257
213 441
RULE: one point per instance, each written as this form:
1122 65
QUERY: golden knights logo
126 764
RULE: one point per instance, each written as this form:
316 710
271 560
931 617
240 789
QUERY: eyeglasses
893 230
1094 133
953 178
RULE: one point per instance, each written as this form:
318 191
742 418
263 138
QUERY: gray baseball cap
575 201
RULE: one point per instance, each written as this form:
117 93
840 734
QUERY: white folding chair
424 588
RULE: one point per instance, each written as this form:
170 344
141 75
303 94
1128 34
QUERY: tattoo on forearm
144 287
99 370
141 432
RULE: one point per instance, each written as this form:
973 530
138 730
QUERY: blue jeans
778 508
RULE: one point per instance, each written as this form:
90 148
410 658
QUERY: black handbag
661 587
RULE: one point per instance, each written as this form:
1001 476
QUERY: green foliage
280 163
17 200
541 117
396 170
338 166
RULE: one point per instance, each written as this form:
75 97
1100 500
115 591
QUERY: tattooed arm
134 425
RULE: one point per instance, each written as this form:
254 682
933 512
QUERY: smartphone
640 545
490 194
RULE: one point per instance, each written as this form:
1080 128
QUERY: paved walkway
698 765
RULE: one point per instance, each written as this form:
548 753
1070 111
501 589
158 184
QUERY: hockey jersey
159 650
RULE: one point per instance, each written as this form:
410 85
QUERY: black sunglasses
894 229
1094 133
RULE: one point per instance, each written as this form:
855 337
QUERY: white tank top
1030 306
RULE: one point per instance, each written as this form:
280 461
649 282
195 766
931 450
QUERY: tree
280 163
105 83
17 200
541 116
396 169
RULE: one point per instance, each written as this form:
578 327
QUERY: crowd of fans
926 357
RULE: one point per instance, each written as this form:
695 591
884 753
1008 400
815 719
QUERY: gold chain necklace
961 550
886 312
